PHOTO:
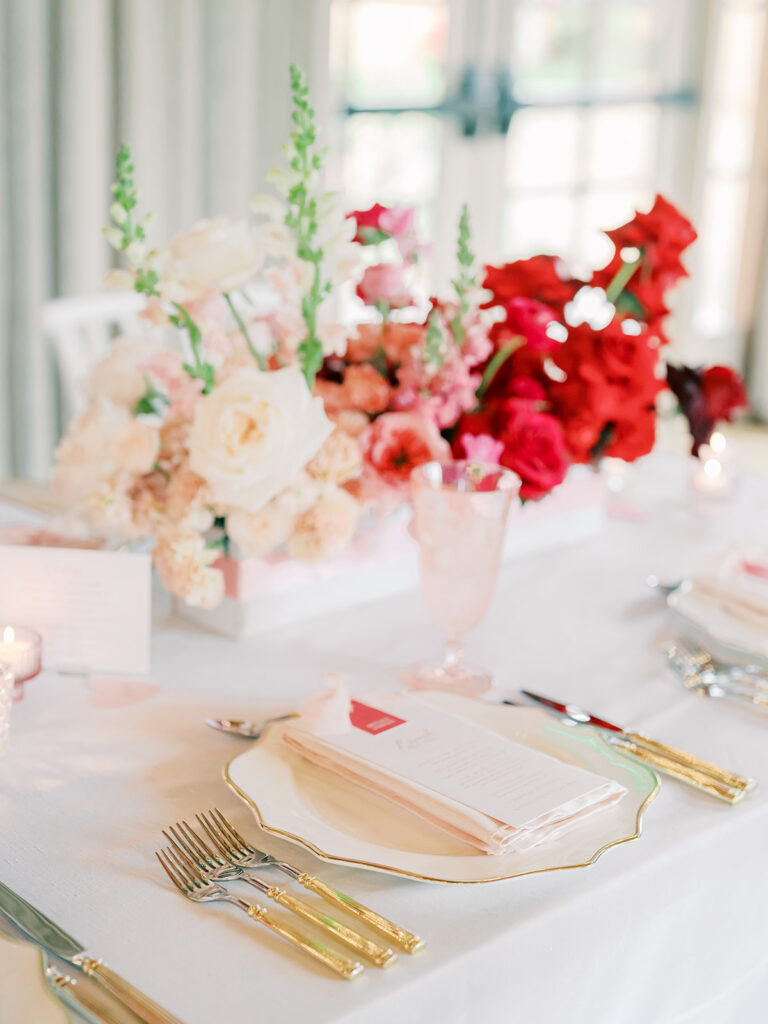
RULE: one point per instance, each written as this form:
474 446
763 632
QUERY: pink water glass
460 517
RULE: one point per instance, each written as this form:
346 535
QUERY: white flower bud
135 253
117 213
114 236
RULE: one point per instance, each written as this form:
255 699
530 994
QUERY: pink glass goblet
460 515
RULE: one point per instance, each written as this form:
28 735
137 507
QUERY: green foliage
129 233
305 160
433 342
467 277
152 402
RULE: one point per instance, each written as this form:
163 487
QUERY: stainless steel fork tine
170 871
229 827
219 840
197 842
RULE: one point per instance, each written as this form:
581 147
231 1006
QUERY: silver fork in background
190 881
237 850
701 673
191 846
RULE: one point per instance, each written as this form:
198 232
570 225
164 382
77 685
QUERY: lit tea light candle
710 477
20 650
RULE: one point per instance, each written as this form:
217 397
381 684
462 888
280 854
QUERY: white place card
93 608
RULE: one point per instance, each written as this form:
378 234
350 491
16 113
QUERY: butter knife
41 930
703 775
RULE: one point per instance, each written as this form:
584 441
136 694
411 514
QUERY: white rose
84 457
253 433
213 256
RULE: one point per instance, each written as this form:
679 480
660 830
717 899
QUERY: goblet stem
454 653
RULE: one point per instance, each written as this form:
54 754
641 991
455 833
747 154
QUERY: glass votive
6 699
21 650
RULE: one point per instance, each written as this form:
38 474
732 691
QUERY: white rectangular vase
381 561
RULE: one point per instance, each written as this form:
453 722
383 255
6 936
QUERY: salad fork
189 845
235 849
191 882
701 673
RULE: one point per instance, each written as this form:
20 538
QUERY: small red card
371 719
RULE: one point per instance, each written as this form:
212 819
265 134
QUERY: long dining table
671 928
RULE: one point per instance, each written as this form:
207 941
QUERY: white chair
80 331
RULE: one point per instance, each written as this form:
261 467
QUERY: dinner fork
191 882
189 845
235 849
701 673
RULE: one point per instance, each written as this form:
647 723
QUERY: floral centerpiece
252 413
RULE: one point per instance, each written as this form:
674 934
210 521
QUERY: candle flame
717 442
8 635
713 468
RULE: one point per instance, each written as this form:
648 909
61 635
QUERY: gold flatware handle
145 1008
722 774
78 1000
379 955
410 943
346 968
701 780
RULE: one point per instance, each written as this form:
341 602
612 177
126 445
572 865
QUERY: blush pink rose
385 283
482 448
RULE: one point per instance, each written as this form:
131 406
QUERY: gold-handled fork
238 851
190 881
190 845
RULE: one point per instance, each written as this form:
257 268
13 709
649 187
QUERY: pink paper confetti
116 692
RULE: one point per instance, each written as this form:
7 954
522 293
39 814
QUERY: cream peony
135 447
325 529
213 256
253 433
119 376
261 532
84 457
338 461
183 564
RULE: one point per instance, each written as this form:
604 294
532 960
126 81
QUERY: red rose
534 448
528 319
369 230
527 389
633 437
723 392
534 278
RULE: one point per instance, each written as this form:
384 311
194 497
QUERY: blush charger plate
342 823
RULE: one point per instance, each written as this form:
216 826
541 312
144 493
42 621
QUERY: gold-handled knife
45 933
703 775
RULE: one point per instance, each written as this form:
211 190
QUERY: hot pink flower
385 283
530 319
397 442
482 448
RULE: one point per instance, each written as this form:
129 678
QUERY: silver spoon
663 588
247 730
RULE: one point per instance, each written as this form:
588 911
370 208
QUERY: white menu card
93 608
466 762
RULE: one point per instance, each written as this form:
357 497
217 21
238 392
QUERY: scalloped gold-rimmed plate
344 824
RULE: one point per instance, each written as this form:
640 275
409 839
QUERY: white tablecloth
670 928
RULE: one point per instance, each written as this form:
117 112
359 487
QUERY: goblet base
467 680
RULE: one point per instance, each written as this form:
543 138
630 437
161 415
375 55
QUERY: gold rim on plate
403 873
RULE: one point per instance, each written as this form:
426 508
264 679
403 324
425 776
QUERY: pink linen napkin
473 826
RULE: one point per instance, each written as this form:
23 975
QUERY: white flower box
263 593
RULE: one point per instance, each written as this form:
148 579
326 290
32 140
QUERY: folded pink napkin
585 793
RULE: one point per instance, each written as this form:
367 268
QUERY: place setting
296 461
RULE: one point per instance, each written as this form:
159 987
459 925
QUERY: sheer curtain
198 88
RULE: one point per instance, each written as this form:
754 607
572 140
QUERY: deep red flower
529 319
661 234
369 228
724 392
610 385
706 396
542 278
534 448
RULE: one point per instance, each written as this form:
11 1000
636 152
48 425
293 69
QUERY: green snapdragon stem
621 279
495 365
262 363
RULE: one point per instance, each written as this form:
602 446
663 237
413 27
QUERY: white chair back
80 331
